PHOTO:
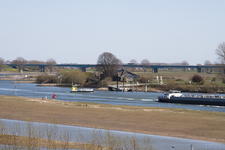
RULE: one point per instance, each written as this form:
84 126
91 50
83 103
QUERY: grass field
200 125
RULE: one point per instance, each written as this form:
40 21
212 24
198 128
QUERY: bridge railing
84 66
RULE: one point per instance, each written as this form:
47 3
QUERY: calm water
105 97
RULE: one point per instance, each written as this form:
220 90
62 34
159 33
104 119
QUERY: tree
1 63
220 52
197 79
19 62
145 63
108 64
133 61
35 62
50 64
184 63
208 63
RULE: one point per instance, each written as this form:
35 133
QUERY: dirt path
200 125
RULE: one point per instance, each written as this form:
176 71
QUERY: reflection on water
105 97
159 142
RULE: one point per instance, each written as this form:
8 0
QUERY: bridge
83 67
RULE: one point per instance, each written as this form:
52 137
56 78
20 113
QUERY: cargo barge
177 97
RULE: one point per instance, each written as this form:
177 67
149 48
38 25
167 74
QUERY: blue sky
78 31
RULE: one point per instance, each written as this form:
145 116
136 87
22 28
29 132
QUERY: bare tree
184 63
220 52
208 63
108 64
145 63
1 63
133 61
51 64
36 62
120 62
20 62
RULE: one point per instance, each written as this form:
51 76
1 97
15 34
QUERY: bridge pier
199 70
83 69
154 70
42 68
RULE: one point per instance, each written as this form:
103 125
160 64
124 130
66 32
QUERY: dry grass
176 74
30 136
200 125
17 141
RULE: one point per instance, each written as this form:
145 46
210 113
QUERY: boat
120 89
175 96
75 89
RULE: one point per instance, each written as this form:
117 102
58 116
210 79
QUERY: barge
176 97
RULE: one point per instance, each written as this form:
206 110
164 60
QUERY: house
128 75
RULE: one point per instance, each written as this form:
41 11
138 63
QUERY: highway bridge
83 67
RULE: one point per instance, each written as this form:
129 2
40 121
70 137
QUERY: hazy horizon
79 31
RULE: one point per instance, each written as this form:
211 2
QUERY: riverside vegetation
188 81
212 82
50 137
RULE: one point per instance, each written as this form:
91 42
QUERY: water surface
159 142
104 97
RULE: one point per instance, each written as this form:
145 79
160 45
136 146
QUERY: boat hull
194 100
81 91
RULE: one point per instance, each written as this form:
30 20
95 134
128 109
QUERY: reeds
50 137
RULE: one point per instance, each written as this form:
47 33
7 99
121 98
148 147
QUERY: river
115 98
104 97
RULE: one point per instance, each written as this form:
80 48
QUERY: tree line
20 62
108 63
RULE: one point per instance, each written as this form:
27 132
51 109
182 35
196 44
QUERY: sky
78 31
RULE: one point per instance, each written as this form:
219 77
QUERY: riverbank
199 125
151 87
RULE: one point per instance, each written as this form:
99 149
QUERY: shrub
179 80
104 82
210 88
42 78
214 79
223 79
196 79
75 76
143 80
171 85
46 78
52 79
202 82
90 75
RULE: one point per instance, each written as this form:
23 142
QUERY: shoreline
22 78
188 124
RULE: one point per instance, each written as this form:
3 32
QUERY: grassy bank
200 125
